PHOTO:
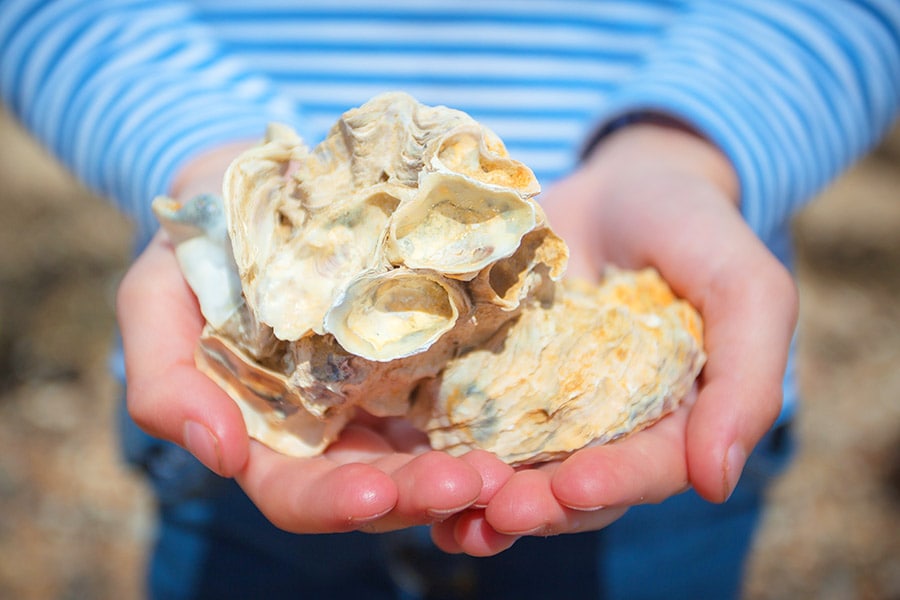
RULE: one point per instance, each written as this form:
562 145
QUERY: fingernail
584 508
540 531
443 513
734 465
201 442
366 523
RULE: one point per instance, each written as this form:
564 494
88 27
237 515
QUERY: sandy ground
74 523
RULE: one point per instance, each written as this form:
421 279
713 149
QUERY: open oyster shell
402 267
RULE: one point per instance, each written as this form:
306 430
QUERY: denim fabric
213 543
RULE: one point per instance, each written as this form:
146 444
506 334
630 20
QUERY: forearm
653 145
125 92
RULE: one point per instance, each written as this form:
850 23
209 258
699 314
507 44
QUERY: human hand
380 475
655 195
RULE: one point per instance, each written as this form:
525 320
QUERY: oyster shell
596 364
457 226
394 314
403 267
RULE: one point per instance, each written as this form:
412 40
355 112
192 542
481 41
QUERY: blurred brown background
74 523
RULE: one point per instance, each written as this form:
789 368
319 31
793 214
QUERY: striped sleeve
793 92
124 91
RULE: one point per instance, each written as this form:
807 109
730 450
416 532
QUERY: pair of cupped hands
648 195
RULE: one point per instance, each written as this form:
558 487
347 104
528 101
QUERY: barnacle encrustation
403 267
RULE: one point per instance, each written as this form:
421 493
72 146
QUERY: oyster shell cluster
403 267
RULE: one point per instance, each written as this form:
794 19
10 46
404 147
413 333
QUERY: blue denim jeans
213 543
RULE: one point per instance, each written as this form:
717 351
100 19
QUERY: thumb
167 396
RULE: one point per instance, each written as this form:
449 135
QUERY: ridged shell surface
403 267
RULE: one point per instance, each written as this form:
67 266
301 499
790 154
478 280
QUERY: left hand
661 196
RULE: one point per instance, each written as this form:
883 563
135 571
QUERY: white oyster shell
457 226
402 267
394 314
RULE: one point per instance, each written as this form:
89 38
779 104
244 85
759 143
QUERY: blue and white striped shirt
126 91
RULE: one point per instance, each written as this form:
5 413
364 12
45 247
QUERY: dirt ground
74 523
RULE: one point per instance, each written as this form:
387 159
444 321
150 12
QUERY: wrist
654 144
203 174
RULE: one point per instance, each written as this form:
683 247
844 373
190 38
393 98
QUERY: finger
748 340
494 474
436 487
469 532
430 487
360 483
315 495
160 323
645 467
402 435
526 506
359 443
443 536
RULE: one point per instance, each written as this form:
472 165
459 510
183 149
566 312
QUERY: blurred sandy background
74 523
